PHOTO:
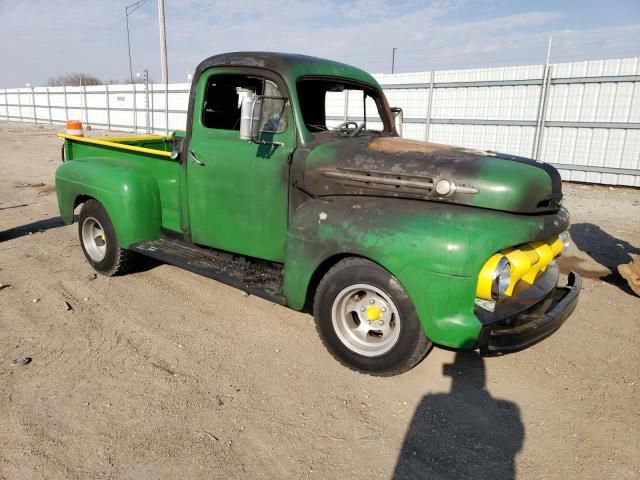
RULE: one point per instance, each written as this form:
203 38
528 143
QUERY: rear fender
128 192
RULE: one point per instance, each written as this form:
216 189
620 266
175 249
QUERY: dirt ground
164 374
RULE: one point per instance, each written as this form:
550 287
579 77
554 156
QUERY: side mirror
248 118
177 147
261 117
398 118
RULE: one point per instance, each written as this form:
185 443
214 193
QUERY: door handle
193 157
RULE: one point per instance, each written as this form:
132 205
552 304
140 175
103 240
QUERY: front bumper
530 315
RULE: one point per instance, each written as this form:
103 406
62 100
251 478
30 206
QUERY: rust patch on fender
403 145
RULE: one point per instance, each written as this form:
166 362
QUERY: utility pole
163 43
393 60
126 16
163 62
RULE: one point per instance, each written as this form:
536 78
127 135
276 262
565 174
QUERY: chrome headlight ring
501 279
566 240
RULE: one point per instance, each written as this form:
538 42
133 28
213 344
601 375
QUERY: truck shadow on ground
31 228
603 248
142 263
465 433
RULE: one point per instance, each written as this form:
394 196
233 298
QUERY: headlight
494 278
501 279
566 240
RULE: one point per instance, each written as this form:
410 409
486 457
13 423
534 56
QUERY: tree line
86 79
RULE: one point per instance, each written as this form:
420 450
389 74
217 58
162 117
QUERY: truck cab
393 245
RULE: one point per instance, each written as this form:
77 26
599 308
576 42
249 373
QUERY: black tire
116 260
411 346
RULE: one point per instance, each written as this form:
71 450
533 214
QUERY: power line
128 10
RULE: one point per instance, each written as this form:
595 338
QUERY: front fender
436 251
128 192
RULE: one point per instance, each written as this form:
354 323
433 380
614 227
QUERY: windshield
341 106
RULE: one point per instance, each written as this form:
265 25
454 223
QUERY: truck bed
153 145
149 153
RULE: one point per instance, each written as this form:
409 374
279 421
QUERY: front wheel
366 319
99 240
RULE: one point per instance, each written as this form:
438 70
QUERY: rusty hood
396 167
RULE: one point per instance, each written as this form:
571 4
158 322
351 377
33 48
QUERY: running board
257 277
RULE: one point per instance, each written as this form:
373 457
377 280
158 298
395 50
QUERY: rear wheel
99 240
366 319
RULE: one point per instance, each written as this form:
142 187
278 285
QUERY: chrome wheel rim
366 320
94 239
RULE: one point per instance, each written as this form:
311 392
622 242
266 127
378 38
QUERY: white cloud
42 38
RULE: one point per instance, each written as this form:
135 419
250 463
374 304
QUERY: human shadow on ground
465 433
605 249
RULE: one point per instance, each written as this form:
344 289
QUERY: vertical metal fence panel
6 105
106 99
583 117
66 107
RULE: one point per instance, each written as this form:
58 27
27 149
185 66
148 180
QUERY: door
237 190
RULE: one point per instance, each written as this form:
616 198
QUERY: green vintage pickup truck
393 245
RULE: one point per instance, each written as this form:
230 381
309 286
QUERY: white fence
583 117
114 107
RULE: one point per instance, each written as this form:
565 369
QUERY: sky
43 38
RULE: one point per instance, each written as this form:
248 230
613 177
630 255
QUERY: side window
223 101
